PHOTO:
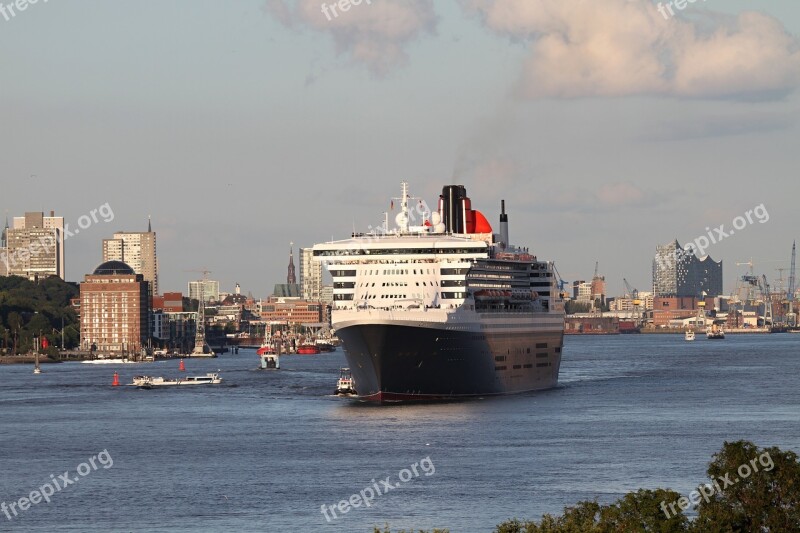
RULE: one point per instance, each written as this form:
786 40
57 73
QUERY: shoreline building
310 276
137 249
33 247
115 309
208 289
679 273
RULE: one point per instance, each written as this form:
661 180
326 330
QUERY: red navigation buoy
182 367
115 383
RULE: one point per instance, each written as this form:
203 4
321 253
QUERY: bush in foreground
751 489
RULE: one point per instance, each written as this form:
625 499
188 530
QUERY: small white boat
103 361
270 361
36 368
212 378
689 335
345 386
149 382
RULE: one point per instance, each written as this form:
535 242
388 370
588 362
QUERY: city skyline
599 172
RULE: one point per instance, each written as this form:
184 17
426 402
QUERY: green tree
643 511
14 322
28 308
759 490
571 307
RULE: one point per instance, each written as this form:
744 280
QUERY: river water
265 451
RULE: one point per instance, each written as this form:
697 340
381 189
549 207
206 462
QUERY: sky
609 127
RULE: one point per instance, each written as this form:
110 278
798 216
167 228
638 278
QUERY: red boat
267 349
308 349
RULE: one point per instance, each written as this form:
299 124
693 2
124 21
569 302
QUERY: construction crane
204 272
791 317
792 286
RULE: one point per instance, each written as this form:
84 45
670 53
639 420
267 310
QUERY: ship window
540 365
500 368
541 345
527 366
558 350
517 367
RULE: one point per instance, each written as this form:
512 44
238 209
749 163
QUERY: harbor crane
633 294
561 283
765 294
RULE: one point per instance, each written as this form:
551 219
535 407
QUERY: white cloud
584 48
374 34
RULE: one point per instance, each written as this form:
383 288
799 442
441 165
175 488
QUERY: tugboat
325 346
308 349
345 386
715 332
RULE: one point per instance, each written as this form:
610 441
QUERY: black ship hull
393 363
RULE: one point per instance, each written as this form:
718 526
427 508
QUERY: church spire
291 279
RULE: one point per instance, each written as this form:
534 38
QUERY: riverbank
680 331
25 360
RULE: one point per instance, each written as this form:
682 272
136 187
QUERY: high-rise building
115 309
33 247
679 273
598 289
576 288
208 289
4 251
137 249
584 292
310 275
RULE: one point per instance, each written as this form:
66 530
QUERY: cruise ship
442 308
